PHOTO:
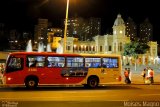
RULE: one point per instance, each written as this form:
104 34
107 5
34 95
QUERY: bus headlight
67 78
9 78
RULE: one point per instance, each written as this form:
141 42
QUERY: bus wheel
31 83
92 82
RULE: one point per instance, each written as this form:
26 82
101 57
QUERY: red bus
32 69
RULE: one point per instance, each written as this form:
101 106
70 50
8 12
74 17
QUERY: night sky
23 14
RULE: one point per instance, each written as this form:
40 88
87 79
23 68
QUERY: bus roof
64 54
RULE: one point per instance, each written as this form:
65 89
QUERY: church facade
108 44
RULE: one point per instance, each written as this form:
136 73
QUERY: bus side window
75 62
88 65
31 61
98 65
110 62
60 64
55 61
35 61
34 64
93 61
104 64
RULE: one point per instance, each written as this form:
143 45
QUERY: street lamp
65 29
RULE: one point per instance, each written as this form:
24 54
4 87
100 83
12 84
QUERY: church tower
119 38
119 26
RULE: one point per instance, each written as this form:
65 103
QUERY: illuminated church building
111 44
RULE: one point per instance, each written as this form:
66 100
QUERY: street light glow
65 29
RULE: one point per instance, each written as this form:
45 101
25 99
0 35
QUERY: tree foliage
135 48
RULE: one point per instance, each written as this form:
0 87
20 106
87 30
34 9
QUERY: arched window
94 48
114 47
79 48
87 48
101 49
120 46
110 48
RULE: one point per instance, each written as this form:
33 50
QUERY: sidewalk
137 79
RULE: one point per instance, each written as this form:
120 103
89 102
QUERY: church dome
118 21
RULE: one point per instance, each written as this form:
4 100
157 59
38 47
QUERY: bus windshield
14 64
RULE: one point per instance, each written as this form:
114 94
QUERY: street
113 95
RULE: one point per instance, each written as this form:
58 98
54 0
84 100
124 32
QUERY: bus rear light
119 78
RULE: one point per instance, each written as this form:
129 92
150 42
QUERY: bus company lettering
32 69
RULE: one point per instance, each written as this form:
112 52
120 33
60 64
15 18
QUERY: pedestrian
1 77
126 74
151 75
143 74
2 68
129 72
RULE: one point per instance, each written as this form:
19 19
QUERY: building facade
131 29
108 44
84 29
41 30
146 31
54 36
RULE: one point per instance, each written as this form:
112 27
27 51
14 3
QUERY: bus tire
93 82
31 83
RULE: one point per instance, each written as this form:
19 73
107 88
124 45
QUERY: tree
134 48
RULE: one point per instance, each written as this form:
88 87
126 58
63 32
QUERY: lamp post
65 29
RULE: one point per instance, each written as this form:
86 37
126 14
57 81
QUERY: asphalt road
108 96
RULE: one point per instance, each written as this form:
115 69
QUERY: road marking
57 99
65 98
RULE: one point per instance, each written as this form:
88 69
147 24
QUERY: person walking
1 77
151 75
126 75
130 74
143 74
